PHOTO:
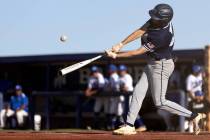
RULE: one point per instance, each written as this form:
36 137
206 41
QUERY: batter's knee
157 103
160 104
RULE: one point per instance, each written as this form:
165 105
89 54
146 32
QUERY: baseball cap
18 87
196 68
94 69
122 68
199 93
112 67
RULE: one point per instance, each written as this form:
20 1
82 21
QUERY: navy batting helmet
161 12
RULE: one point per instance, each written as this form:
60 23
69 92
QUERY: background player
157 41
194 82
96 84
113 102
18 107
126 85
200 105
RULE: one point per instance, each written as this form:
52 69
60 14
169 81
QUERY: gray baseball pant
155 76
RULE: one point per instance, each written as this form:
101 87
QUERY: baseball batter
157 42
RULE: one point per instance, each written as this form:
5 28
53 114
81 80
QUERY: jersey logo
197 84
149 46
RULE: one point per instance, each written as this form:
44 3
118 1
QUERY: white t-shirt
114 82
126 81
96 82
194 83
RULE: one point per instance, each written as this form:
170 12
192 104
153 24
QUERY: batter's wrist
116 55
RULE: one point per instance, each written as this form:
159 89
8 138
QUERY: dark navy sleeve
145 26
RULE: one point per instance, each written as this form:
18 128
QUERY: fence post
1 101
207 80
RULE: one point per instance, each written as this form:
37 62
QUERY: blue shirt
17 101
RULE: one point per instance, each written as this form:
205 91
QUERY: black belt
155 56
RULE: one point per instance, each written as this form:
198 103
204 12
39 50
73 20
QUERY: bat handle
105 54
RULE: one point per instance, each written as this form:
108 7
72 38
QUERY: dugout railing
177 96
77 95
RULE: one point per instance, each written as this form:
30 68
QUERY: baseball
63 38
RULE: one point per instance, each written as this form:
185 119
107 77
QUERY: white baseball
63 38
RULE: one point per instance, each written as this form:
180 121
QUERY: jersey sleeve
145 26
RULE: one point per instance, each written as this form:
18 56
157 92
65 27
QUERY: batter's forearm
135 35
126 54
139 51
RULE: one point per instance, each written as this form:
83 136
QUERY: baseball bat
78 65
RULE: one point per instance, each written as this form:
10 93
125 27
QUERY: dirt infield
97 135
